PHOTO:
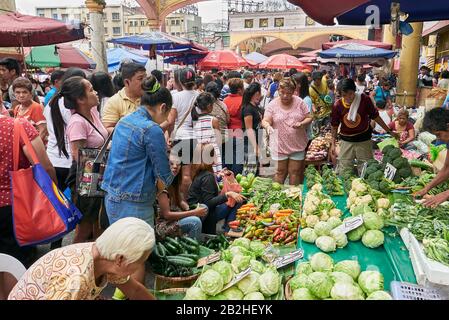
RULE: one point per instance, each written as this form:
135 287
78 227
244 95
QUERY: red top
6 161
367 112
404 133
234 104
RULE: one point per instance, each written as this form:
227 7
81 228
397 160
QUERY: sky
208 10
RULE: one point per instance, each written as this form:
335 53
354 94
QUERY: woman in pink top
286 119
84 130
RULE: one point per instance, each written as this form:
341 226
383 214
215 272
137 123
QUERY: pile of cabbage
321 279
262 283
318 207
324 236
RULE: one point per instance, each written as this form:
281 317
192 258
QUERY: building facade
183 25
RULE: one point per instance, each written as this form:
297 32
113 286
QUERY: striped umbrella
63 55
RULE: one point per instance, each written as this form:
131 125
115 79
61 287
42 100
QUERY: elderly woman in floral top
81 271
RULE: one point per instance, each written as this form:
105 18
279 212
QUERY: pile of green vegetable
332 183
287 199
374 176
318 207
418 183
217 243
320 279
262 283
347 176
393 156
246 182
312 176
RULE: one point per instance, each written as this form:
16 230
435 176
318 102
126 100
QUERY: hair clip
155 88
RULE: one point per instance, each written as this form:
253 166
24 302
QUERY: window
78 17
263 23
88 16
116 16
278 22
173 22
105 30
54 16
116 30
65 17
143 23
178 34
249 23
177 22
40 12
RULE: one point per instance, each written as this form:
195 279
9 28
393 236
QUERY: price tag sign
349 225
363 172
209 259
237 278
389 172
288 258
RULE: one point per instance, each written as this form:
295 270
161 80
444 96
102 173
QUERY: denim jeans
222 211
118 209
234 161
192 226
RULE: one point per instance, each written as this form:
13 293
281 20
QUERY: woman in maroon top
353 114
404 128
8 242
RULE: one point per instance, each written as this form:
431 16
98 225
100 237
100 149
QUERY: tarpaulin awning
357 12
283 61
375 44
184 59
256 57
146 41
63 55
223 59
353 50
115 57
19 30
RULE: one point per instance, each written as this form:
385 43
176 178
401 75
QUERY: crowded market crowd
171 138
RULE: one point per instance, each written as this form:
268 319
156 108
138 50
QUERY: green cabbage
254 296
308 235
232 251
350 267
356 234
242 242
373 221
321 262
326 243
225 270
240 263
250 283
211 282
257 266
334 222
338 276
320 284
340 238
373 238
379 295
323 228
299 281
304 268
218 297
302 294
371 281
269 283
361 209
233 293
195 293
345 291
257 247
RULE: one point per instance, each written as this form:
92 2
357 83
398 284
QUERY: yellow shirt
118 106
314 95
66 273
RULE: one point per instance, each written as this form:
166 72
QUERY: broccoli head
374 184
371 169
387 149
372 162
399 163
404 172
384 186
395 153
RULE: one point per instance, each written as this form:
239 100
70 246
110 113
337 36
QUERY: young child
405 128
27 108
206 128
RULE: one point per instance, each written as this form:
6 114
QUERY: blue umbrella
185 59
256 57
147 41
352 50
115 57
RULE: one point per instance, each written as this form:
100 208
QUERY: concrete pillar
431 51
97 38
388 36
408 72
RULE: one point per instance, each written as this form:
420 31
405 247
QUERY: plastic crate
410 291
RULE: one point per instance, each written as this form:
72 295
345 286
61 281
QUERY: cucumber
420 164
189 255
181 261
162 249
174 243
171 249
189 248
190 241
159 250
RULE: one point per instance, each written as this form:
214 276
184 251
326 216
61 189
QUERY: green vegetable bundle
332 183
312 176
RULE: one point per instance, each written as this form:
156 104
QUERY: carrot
286 211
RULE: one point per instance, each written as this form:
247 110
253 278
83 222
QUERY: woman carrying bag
85 130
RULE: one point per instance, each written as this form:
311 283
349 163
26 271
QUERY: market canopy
256 57
356 53
63 55
356 12
375 44
284 61
223 59
20 30
115 56
155 39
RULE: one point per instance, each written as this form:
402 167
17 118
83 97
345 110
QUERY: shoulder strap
103 149
93 126
192 104
318 93
18 133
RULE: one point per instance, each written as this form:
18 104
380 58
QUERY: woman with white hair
81 271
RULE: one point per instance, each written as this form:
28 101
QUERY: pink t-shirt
286 139
80 129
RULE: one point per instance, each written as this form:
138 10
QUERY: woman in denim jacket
138 166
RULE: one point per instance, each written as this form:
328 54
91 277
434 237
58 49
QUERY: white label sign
209 259
288 258
237 278
389 172
363 172
349 225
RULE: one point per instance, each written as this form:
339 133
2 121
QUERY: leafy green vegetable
373 239
371 281
338 276
322 228
350 267
242 242
269 283
379 295
321 262
356 234
304 268
240 263
308 235
257 266
299 281
345 291
233 293
211 282
250 283
302 294
254 296
195 293
373 221
320 284
225 270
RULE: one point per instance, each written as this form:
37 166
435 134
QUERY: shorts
184 149
296 156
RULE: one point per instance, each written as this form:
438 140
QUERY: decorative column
431 51
409 63
96 8
388 36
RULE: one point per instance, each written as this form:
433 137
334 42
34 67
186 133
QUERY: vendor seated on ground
81 271
436 121
353 114
204 189
405 129
174 215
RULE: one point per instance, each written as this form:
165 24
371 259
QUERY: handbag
230 184
41 212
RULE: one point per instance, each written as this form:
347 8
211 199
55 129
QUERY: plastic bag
230 184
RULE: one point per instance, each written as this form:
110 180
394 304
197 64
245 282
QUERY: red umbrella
376 44
223 59
283 61
19 30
